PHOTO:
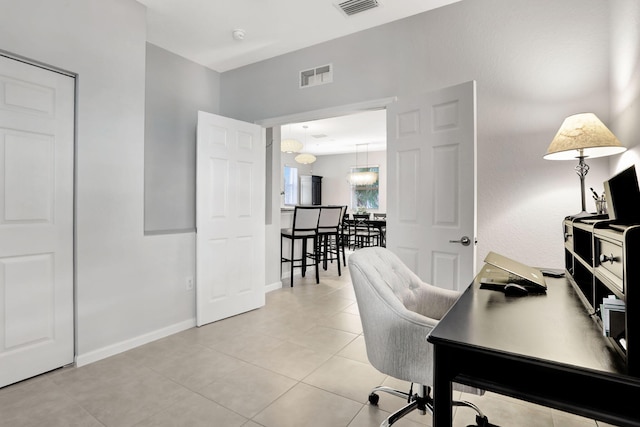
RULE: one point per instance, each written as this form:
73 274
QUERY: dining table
377 223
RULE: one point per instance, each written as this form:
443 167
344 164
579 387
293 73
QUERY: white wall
535 62
129 288
334 169
625 81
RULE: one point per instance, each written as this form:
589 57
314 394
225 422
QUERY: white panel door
431 156
230 218
36 220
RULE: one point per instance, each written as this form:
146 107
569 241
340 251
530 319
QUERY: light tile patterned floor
300 361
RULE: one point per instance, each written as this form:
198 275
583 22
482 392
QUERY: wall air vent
352 7
316 76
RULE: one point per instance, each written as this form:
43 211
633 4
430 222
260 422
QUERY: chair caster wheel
483 421
374 398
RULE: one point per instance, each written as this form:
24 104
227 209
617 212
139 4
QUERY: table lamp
581 136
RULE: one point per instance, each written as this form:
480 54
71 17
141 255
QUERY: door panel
36 220
431 181
230 238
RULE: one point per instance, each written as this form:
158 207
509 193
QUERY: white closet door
36 220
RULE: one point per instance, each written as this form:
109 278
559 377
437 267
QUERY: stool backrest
305 218
330 217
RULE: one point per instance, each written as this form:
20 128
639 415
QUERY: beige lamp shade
583 135
290 146
305 158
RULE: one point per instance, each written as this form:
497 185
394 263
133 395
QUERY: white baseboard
112 350
273 286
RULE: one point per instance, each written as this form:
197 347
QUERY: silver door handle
465 241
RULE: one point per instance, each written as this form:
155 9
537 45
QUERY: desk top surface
554 327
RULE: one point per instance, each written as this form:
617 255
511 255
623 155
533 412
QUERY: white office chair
398 311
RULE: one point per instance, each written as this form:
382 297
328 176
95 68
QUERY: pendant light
305 158
290 145
362 177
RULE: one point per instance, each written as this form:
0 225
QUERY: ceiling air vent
352 7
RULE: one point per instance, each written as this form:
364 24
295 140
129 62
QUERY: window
290 185
365 196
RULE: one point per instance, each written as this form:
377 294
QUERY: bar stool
344 233
305 227
329 235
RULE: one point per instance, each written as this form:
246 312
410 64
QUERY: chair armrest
398 346
434 302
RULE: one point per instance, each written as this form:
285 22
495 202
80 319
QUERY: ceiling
340 135
202 31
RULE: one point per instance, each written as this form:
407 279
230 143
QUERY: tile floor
299 361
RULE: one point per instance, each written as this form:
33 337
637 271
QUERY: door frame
310 115
272 127
74 189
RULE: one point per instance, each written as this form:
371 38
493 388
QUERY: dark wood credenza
602 259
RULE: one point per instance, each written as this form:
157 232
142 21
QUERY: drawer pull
611 258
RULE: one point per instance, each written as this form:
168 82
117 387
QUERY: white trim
38 64
112 350
274 286
327 112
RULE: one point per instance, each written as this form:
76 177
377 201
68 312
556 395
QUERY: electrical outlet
189 283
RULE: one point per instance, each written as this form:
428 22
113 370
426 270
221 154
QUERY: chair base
423 402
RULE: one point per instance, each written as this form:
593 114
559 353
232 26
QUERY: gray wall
535 62
175 90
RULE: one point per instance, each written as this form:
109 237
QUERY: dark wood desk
541 348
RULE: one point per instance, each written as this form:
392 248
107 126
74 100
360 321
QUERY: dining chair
365 234
349 231
304 228
379 216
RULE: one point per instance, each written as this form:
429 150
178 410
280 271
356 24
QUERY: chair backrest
398 310
330 217
360 220
344 215
305 218
379 216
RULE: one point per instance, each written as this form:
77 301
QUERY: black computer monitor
623 197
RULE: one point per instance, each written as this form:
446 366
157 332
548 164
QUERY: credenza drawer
610 257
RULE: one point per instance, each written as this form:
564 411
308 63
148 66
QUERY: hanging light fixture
365 177
290 145
305 158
